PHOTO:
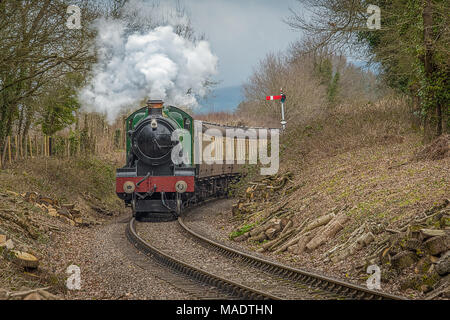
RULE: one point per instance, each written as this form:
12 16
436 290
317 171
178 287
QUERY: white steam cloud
158 65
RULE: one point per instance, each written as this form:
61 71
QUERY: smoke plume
158 64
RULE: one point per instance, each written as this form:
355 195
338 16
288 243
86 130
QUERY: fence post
25 149
3 155
9 149
36 146
50 146
16 143
20 147
79 145
31 146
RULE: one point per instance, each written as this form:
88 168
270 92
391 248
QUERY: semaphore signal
269 98
281 97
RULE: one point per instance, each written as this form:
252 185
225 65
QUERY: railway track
310 279
332 288
224 286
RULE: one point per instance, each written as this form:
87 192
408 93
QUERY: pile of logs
361 237
66 212
262 192
25 223
421 245
281 235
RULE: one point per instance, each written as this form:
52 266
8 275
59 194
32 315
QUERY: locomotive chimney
155 107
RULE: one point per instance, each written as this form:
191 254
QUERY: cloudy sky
242 32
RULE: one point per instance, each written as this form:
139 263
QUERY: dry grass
88 183
347 127
65 180
377 182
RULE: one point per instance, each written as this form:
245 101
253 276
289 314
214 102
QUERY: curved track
226 286
232 289
310 279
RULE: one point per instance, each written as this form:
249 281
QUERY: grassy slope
64 180
378 183
89 183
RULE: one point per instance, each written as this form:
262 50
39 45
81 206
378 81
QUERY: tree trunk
433 118
26 128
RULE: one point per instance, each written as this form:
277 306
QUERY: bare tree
411 47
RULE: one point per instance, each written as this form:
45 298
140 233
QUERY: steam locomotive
156 187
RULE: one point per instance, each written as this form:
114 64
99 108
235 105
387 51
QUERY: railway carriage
156 188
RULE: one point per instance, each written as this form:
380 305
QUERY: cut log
384 254
273 223
301 245
33 296
47 201
241 238
413 244
365 239
434 259
12 193
423 265
257 230
443 265
270 233
64 212
428 233
403 259
75 212
52 211
271 245
25 259
9 244
289 243
286 227
27 292
323 220
31 196
258 238
437 245
334 226
68 206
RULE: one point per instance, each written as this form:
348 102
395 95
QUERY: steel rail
230 287
309 278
